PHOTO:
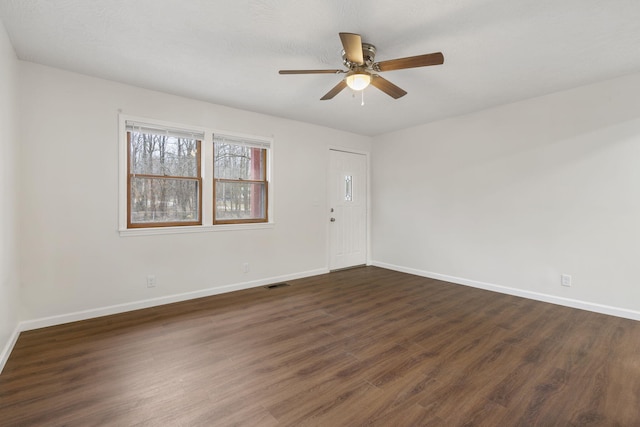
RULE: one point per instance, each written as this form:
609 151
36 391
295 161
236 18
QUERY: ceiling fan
359 58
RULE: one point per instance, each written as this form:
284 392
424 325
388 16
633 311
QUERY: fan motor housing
368 54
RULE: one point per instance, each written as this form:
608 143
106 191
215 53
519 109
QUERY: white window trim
207 181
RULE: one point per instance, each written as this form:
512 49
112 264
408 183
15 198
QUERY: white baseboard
567 302
44 322
153 302
136 305
6 351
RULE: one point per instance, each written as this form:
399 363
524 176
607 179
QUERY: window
177 178
164 180
240 180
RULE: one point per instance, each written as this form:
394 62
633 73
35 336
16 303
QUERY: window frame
207 200
131 175
264 181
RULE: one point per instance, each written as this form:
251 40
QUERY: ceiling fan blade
352 44
387 87
336 90
410 62
311 71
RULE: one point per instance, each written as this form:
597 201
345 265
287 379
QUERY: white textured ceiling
229 52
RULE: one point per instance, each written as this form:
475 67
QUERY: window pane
153 154
156 200
240 200
238 162
348 191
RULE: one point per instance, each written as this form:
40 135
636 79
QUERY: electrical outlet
565 280
245 267
151 281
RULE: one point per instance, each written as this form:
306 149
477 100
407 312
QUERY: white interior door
347 209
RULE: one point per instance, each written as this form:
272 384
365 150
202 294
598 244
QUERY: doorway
347 209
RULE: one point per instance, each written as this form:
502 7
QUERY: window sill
193 229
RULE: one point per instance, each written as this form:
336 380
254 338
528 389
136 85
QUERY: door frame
326 217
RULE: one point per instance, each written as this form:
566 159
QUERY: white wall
9 282
74 259
517 195
512 196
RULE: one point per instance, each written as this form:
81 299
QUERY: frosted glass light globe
358 81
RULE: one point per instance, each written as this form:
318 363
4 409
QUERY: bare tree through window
164 179
240 183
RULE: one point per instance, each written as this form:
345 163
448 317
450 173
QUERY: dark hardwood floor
365 346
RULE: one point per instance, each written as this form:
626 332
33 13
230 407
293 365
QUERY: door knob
332 220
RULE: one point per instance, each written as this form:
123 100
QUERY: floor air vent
277 285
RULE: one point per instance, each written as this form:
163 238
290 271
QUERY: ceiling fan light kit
358 80
363 71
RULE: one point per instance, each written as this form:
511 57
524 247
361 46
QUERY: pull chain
361 97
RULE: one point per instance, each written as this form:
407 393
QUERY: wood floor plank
366 346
